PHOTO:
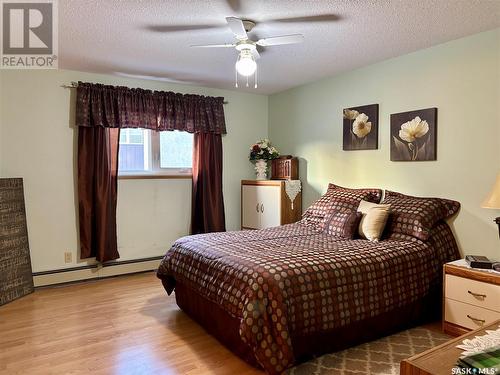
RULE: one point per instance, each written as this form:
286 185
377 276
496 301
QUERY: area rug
379 357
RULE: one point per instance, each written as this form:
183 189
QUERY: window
176 150
134 153
144 152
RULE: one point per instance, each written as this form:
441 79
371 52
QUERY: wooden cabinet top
462 269
262 182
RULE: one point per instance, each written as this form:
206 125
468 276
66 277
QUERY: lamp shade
246 65
493 199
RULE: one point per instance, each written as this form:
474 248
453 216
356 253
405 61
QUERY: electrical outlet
68 257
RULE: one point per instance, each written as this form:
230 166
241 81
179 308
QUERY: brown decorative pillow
374 195
343 224
416 216
340 199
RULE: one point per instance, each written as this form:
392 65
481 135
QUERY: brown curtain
123 107
100 112
97 191
207 210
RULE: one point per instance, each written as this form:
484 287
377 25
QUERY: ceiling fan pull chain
255 79
247 81
236 78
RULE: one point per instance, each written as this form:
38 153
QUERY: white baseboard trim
63 276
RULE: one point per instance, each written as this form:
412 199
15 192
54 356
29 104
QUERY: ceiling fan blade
179 28
214 45
318 18
255 54
237 27
284 39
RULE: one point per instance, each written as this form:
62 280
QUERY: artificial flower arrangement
263 150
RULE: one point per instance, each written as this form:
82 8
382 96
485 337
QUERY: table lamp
493 200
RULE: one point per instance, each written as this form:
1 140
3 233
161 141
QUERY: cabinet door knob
257 208
477 295
262 208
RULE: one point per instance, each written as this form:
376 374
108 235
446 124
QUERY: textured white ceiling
131 37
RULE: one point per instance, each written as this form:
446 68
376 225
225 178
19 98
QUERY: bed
279 296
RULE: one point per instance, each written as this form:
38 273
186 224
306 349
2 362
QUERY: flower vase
261 169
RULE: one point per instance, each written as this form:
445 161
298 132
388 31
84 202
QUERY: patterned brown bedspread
290 279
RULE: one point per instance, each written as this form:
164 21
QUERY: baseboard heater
95 271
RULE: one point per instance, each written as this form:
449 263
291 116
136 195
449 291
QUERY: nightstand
471 297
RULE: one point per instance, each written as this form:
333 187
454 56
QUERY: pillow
373 220
337 198
343 224
374 195
416 216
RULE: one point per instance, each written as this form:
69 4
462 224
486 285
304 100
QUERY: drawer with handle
468 316
474 292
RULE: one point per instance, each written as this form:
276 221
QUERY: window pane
133 155
136 136
176 149
123 136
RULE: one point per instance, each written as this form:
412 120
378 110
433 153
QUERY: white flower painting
350 114
361 128
413 135
411 130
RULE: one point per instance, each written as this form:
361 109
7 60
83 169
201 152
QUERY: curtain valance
123 107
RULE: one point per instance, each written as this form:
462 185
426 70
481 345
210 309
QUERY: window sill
155 177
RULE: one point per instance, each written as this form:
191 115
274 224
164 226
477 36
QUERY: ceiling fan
247 48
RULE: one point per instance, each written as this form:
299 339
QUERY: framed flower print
414 135
360 128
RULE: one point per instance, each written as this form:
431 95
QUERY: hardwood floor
124 325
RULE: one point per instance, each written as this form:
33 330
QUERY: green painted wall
38 144
461 78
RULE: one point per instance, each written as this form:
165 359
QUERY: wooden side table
471 297
441 359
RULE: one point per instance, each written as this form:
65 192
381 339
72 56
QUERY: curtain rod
74 85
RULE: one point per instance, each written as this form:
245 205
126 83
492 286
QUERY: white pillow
373 221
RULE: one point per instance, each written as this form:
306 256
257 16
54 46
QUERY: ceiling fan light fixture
248 54
246 65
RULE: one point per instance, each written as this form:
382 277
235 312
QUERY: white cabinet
250 209
264 204
471 297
